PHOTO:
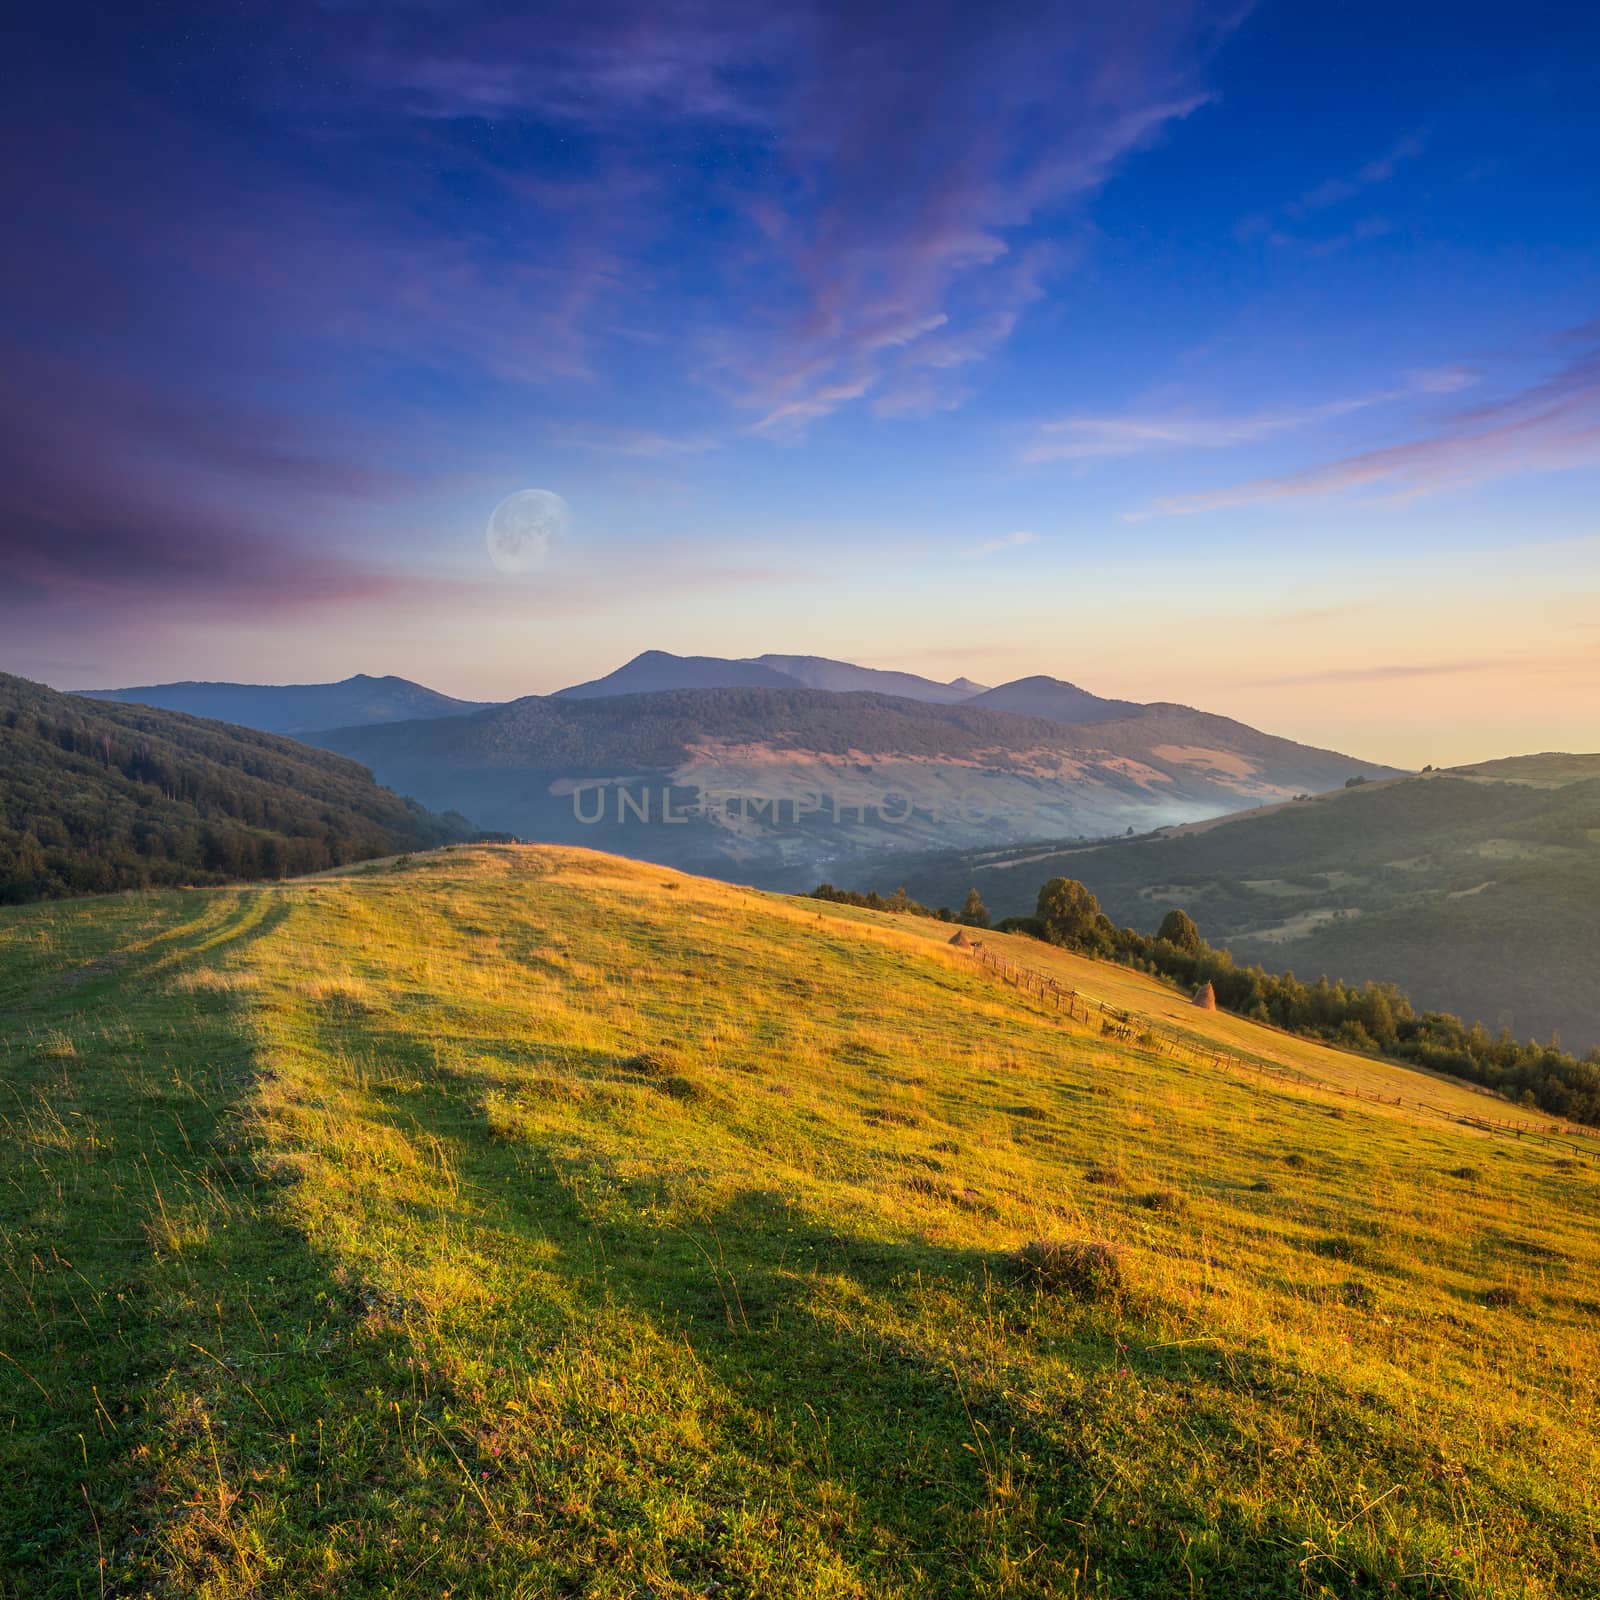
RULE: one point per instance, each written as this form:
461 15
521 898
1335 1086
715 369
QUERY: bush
660 1063
1087 1269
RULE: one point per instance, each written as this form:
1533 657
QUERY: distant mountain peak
1056 700
657 671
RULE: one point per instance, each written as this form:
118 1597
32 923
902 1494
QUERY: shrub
1085 1268
1503 1296
1166 1200
1466 1174
660 1063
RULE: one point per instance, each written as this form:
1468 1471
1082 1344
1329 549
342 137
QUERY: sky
1244 356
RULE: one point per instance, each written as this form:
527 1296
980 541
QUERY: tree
1069 915
1178 928
974 913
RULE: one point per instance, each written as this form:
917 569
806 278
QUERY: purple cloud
1551 425
893 164
1084 438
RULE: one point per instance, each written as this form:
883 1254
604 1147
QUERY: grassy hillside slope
529 1222
96 797
1474 890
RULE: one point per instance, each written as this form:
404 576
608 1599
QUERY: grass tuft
1087 1269
662 1062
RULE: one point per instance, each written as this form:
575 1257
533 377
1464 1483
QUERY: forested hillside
1472 889
96 796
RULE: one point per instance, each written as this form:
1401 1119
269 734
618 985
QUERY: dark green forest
96 797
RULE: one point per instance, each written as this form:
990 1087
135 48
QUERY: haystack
1206 997
960 940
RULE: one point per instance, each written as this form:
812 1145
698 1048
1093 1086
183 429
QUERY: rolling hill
96 797
298 707
524 1221
780 785
1474 889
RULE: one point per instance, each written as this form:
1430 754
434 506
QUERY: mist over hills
777 785
298 707
1474 889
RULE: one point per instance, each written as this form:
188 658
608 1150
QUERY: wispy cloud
1093 437
1283 228
1008 541
1551 425
1381 674
631 441
1334 191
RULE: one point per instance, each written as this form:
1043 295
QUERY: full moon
523 527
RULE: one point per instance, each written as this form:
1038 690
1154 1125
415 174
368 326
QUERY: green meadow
527 1222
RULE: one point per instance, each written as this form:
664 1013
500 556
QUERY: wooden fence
1121 1025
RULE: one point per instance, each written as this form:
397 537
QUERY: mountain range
362 700
779 786
774 768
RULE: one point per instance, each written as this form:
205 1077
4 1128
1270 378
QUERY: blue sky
1243 356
